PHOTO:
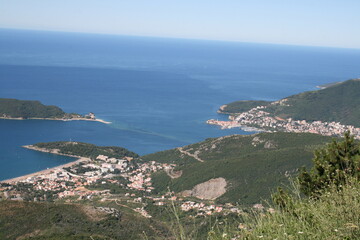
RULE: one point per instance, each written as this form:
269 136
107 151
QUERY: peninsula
330 111
84 152
15 109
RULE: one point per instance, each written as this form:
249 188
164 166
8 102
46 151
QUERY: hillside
85 149
339 103
241 106
58 221
14 108
252 165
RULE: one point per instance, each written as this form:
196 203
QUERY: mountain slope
15 108
252 165
57 221
339 103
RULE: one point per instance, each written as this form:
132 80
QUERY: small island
15 109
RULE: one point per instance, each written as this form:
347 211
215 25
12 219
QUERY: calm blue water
157 92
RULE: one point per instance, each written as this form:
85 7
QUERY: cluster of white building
224 124
140 178
257 117
68 183
203 209
110 164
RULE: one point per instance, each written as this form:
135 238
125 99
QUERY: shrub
333 164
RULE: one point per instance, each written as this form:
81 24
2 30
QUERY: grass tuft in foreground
331 209
334 215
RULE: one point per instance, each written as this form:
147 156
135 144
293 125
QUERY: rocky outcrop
209 190
268 144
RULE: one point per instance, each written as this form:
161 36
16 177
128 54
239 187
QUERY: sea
156 92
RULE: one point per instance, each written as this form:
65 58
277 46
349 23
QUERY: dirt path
173 174
190 154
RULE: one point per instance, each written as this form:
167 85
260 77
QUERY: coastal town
127 181
90 179
259 120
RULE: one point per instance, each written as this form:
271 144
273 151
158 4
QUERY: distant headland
330 111
14 109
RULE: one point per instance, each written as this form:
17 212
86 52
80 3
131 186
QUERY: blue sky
306 22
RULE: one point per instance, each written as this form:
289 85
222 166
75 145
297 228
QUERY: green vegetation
242 106
332 213
339 103
29 193
14 108
50 221
252 165
184 227
333 164
114 188
326 85
87 150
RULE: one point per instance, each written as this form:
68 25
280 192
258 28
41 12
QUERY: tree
333 164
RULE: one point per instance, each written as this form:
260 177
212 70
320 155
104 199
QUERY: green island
28 109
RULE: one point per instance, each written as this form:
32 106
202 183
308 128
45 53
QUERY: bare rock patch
209 190
270 145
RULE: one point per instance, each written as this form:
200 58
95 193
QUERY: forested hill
14 108
252 165
66 221
339 103
86 149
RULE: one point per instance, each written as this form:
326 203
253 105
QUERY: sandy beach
49 170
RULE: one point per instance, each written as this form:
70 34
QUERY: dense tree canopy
87 149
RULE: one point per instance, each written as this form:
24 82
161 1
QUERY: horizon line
178 38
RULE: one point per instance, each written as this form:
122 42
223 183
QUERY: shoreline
48 170
327 85
59 119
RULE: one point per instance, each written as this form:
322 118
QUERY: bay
157 92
